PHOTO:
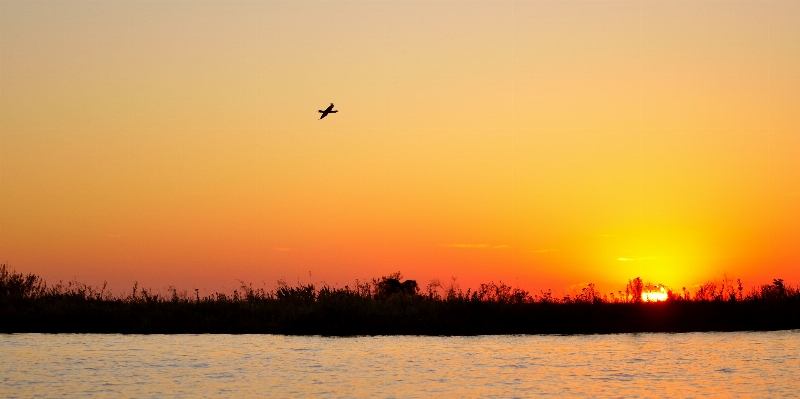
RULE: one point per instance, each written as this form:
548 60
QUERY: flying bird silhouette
327 111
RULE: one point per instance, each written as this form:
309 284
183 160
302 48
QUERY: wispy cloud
578 287
475 246
632 259
281 249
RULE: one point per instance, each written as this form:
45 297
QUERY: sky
545 144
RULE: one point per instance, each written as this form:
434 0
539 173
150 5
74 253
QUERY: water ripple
201 366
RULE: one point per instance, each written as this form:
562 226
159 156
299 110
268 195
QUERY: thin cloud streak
475 246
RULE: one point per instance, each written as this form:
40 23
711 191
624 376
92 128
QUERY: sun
654 294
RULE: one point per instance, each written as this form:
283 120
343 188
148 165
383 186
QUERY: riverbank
384 306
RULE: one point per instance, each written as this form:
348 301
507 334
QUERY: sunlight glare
655 294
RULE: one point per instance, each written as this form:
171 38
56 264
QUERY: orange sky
545 144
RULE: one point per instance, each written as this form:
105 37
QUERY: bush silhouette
390 305
391 285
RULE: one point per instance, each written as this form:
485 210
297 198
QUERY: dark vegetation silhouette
391 305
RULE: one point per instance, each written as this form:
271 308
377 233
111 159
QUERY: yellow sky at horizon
544 144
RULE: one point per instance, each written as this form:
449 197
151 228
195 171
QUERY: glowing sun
654 294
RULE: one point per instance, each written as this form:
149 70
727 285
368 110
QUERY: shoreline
389 306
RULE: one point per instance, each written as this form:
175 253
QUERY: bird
327 111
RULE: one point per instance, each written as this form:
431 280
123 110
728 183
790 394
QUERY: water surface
751 364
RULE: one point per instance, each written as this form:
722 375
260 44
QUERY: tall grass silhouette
391 305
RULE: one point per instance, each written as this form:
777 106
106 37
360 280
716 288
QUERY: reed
390 305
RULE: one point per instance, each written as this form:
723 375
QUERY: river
741 364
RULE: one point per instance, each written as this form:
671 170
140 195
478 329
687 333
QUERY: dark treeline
390 306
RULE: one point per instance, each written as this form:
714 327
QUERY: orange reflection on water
217 365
